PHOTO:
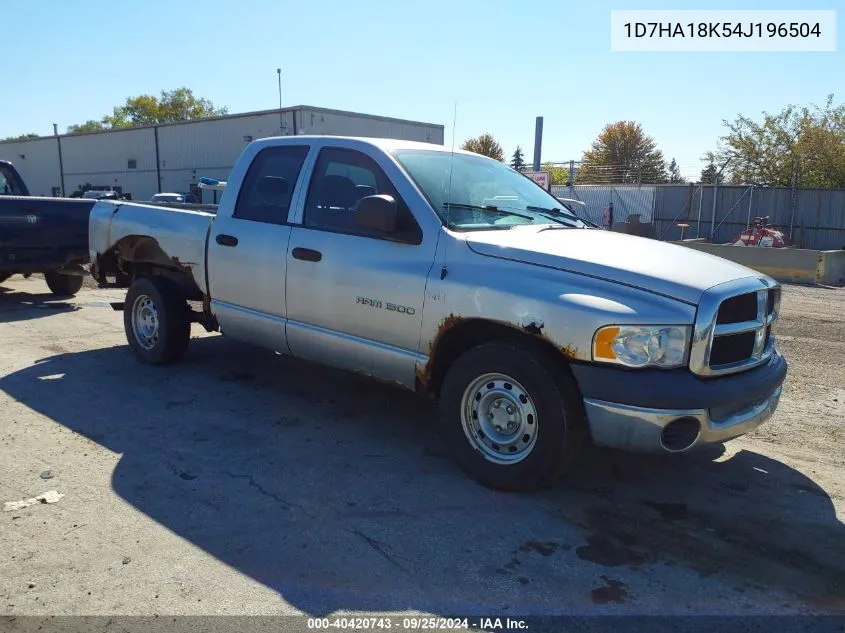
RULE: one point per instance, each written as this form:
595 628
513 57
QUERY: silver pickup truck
453 275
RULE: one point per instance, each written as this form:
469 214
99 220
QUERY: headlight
642 345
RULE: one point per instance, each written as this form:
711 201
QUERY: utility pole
794 198
61 164
538 142
281 117
571 179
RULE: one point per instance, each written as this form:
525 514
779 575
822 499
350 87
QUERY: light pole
281 118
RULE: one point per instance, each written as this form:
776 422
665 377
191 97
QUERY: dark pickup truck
42 235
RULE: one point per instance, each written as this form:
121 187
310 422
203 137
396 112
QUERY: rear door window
9 184
268 188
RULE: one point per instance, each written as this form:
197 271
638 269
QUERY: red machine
762 234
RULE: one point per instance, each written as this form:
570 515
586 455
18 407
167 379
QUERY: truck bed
181 233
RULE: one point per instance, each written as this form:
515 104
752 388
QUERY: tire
550 431
63 285
156 320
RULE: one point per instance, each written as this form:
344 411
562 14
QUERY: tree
708 174
623 153
21 137
176 105
517 161
711 175
485 145
88 126
559 175
675 177
808 142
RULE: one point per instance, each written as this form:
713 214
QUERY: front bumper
681 411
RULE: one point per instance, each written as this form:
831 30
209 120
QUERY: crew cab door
355 296
247 248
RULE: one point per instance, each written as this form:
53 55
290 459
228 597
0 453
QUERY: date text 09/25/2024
417 623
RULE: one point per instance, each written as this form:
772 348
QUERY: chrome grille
733 325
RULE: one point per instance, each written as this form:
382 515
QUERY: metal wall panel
37 160
215 144
109 152
316 121
190 151
186 151
104 160
816 220
627 200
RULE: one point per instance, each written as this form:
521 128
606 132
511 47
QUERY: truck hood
668 269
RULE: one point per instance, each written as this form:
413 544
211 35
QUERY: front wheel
156 320
512 417
62 285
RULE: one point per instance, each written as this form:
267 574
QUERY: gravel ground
239 482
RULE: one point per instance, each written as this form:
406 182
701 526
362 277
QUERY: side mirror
378 213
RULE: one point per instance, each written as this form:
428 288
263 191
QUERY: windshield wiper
492 209
557 214
560 213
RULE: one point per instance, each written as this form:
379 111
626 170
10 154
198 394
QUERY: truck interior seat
338 194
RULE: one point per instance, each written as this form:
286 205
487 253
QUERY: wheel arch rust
456 334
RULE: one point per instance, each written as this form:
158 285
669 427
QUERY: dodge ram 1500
453 275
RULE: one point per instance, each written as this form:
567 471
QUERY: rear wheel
64 285
512 416
156 320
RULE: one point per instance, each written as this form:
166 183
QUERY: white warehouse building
172 157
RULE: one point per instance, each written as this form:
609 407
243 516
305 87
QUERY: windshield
471 192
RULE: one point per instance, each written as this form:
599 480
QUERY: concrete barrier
796 265
833 267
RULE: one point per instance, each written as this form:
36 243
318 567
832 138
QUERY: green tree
708 174
675 177
174 105
21 137
517 160
806 141
623 153
559 175
140 110
485 145
711 175
88 126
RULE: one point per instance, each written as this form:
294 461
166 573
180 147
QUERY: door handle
307 254
226 240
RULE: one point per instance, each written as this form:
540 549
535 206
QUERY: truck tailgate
43 229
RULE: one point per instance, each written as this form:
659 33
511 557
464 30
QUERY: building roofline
238 115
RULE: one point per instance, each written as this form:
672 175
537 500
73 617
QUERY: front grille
734 348
738 309
733 327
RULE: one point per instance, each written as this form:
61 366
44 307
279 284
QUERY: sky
499 63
